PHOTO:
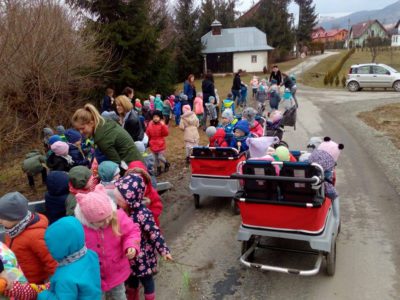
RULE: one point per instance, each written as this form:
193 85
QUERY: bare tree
48 63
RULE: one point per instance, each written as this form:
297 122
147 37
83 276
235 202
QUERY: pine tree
189 46
307 21
207 16
274 19
139 60
226 12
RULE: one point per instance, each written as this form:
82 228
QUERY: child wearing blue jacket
240 134
226 124
78 273
74 139
177 110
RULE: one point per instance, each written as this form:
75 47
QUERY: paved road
204 241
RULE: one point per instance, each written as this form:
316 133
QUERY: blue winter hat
243 126
54 138
72 136
108 170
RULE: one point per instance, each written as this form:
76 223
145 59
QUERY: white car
372 76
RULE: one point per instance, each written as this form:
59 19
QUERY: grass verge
385 119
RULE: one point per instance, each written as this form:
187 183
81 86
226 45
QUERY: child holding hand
112 235
129 194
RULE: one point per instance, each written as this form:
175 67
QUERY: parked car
372 76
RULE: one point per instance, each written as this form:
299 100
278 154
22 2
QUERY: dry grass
386 119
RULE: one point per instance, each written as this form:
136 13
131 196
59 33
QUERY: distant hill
388 15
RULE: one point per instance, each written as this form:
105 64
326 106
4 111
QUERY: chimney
216 28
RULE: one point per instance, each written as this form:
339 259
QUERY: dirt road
368 257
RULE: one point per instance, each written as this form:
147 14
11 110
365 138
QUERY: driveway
204 244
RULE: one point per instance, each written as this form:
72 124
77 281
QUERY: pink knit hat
186 108
95 206
60 148
331 147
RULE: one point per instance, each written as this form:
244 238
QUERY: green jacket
32 163
115 143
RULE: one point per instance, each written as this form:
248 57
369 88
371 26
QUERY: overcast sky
334 7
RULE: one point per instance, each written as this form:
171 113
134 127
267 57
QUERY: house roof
333 32
359 29
251 12
236 40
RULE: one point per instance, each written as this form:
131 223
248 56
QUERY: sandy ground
204 243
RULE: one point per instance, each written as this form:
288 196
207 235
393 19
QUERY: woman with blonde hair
128 118
111 139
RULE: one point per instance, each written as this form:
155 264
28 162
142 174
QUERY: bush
48 68
333 73
326 79
337 81
344 80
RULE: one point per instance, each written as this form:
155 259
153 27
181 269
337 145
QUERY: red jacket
32 253
257 130
218 140
157 133
156 205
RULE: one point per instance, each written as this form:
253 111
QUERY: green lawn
315 76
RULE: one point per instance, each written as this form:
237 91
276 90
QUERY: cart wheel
196 199
234 207
246 246
331 260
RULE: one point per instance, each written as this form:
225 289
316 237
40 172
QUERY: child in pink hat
59 160
112 235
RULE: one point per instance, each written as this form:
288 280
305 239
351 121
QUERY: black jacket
208 89
134 126
77 157
277 76
57 163
236 83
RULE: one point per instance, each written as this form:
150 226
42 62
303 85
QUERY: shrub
337 81
344 80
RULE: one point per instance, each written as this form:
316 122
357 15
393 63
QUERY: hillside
387 15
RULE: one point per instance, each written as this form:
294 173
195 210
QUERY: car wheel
353 86
396 86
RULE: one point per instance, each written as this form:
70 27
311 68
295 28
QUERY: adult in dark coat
107 102
208 89
129 119
236 85
189 89
276 74
57 193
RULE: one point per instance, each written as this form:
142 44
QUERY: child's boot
166 166
151 296
132 294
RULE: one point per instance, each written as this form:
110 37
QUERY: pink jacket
257 130
198 106
111 249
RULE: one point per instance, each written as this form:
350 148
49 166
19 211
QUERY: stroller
289 117
290 208
211 168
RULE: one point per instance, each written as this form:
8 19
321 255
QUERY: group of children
101 243
270 92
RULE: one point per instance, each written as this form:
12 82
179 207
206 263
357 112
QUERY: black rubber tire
396 86
234 207
331 260
353 86
196 199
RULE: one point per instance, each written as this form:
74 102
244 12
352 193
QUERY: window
379 70
254 59
363 70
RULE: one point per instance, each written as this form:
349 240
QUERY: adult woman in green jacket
112 140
